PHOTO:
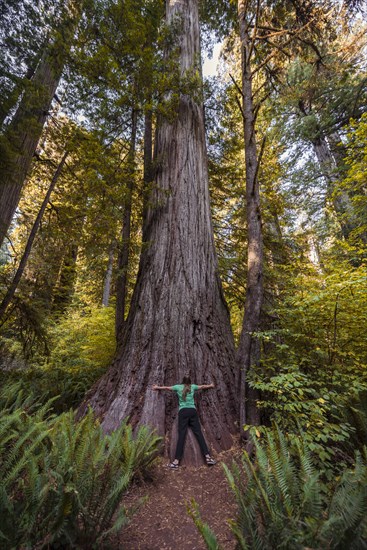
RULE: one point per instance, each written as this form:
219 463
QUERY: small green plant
64 388
83 340
203 528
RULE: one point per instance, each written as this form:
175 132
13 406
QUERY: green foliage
203 528
315 362
283 504
82 347
355 413
354 183
65 389
83 339
62 481
24 27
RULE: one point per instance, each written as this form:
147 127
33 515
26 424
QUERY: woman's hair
187 383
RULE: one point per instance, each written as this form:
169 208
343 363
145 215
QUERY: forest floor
162 522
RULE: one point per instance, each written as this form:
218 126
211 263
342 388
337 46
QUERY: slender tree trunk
248 353
338 150
275 240
23 262
341 201
123 257
178 321
108 277
19 142
331 163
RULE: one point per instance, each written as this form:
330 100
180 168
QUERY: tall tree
23 262
21 136
248 349
324 86
178 321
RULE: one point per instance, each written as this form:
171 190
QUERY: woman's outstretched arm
155 387
206 387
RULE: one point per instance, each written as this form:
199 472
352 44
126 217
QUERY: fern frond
209 537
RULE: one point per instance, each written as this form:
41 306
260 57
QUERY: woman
188 416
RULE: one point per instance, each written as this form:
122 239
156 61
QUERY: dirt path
163 523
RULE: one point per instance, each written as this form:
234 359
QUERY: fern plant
203 528
283 504
22 484
356 414
62 482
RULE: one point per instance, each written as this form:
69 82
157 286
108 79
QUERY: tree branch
254 34
236 85
240 107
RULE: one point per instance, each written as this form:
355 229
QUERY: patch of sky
211 61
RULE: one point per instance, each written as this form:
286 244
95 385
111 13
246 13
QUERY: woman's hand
155 387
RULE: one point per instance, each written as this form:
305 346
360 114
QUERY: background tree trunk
330 159
341 202
148 167
22 135
248 352
124 251
23 262
178 321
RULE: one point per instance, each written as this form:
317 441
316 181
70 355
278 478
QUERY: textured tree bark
148 167
178 321
23 262
248 352
123 257
19 142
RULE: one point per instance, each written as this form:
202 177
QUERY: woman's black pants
189 418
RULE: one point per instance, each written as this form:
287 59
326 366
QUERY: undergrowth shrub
83 340
314 363
81 348
62 481
64 388
283 503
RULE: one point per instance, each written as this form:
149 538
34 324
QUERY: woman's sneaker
210 461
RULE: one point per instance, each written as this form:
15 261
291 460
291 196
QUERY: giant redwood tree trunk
178 321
